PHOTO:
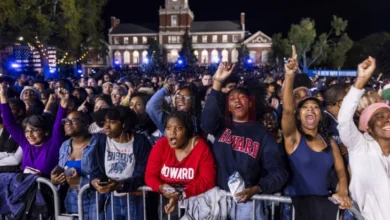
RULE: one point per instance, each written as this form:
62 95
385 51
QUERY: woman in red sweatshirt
180 159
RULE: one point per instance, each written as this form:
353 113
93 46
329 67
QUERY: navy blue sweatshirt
244 147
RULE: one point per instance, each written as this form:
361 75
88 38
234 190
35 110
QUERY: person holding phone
40 141
75 164
182 160
119 163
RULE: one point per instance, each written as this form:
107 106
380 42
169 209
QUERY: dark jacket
141 152
17 191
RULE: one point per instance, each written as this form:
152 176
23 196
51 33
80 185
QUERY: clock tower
176 16
176 4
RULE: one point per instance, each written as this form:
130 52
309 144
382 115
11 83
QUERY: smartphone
103 183
169 190
335 201
69 172
57 170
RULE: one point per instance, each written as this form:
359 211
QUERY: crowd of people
324 142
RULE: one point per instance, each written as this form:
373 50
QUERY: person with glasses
76 156
186 100
369 153
39 140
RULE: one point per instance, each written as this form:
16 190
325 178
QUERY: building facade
212 41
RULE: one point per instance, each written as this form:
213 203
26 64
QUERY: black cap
308 99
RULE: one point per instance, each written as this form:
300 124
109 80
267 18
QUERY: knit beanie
38 94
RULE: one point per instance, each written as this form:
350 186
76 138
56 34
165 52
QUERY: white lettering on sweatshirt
177 173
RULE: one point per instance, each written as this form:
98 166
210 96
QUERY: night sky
272 16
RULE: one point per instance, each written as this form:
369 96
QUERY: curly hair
126 116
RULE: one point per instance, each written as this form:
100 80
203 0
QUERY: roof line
254 35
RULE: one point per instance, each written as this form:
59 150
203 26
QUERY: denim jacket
86 160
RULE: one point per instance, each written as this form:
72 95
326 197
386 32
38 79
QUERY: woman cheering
369 153
180 160
242 145
39 141
311 151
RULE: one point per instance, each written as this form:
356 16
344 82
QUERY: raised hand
223 72
3 89
291 66
52 98
169 84
83 107
366 68
63 94
365 71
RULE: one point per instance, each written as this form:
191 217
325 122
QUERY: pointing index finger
294 52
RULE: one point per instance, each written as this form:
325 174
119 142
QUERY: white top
370 184
10 159
119 161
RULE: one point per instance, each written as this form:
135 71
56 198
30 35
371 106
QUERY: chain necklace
82 146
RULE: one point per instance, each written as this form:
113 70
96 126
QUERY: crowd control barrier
56 198
273 199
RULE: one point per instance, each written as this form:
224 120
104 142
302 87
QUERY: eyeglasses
34 131
186 97
382 116
72 121
115 95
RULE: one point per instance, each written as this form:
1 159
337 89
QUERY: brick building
212 40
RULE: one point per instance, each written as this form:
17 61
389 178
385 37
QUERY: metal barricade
274 199
87 187
56 199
